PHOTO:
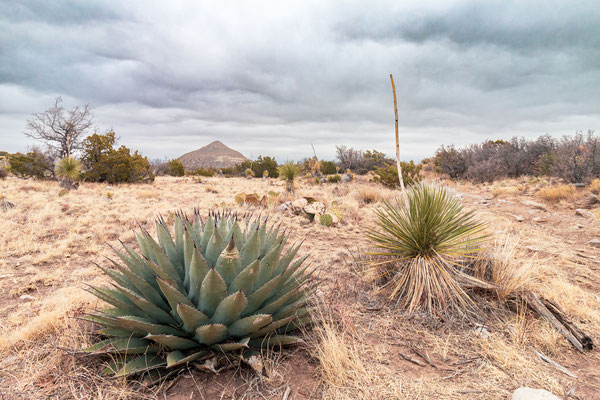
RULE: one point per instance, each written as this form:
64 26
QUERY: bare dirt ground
359 351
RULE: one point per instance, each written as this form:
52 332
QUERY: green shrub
174 168
205 289
103 163
423 246
31 165
328 167
388 174
204 172
258 166
334 178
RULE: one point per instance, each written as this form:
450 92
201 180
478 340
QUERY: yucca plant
68 171
223 285
422 247
288 172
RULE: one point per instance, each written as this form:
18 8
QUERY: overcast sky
274 77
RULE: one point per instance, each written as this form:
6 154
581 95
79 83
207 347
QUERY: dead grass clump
555 194
504 191
595 186
368 195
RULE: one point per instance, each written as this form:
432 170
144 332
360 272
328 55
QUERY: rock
346 178
591 200
585 213
539 220
298 205
27 297
525 393
315 208
578 226
594 242
579 185
534 204
284 206
519 218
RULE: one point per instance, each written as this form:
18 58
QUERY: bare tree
61 130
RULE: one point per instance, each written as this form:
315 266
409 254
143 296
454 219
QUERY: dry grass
595 186
368 195
556 194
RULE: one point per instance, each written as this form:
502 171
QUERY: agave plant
223 285
423 245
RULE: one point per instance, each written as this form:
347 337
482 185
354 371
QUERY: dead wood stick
583 338
534 302
412 360
554 364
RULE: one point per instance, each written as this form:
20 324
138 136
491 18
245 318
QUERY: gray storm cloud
273 77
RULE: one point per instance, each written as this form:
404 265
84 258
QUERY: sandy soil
50 244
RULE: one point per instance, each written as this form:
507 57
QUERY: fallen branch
554 364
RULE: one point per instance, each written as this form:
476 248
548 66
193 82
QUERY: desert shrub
334 178
328 167
204 172
555 194
34 164
419 246
368 195
228 171
206 289
103 163
288 172
388 174
174 168
68 172
250 173
355 160
266 163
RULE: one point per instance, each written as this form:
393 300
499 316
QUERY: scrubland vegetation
310 279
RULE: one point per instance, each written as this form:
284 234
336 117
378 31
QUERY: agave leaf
289 310
257 298
227 347
174 297
238 236
168 247
144 245
211 334
173 342
116 299
179 243
164 263
140 364
188 251
209 229
117 332
229 263
177 358
214 248
275 304
230 309
285 261
287 274
272 326
191 317
212 292
198 271
137 264
153 311
120 345
268 264
245 326
141 325
245 279
120 279
275 341
251 250
143 287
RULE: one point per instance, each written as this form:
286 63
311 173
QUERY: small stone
578 226
534 204
539 220
585 213
284 206
533 248
519 218
594 242
27 297
525 393
315 208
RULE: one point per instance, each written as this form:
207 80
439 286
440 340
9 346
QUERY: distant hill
213 155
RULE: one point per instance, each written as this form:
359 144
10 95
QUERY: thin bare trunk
397 141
